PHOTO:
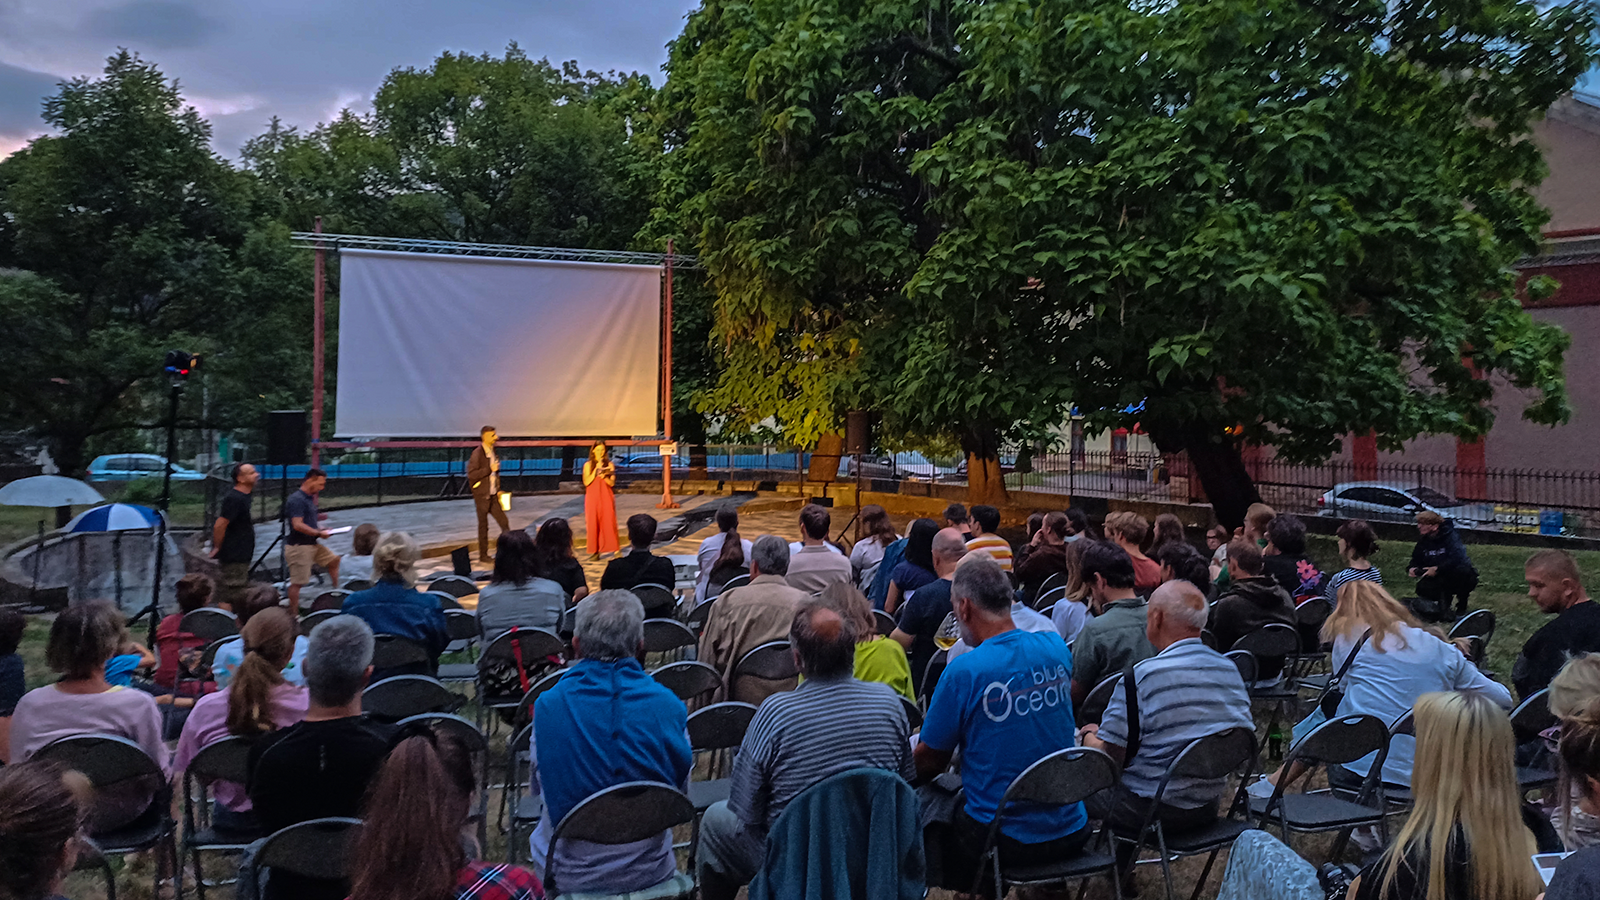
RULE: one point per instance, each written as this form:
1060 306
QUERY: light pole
179 364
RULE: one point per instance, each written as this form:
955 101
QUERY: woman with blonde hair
1071 612
877 658
1572 691
1465 836
393 605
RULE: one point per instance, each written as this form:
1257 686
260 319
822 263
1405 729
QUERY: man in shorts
302 548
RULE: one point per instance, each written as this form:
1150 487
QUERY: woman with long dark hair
517 595
867 554
410 847
731 562
552 548
916 569
599 501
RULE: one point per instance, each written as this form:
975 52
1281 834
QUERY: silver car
1390 501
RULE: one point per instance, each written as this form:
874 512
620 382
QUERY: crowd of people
995 652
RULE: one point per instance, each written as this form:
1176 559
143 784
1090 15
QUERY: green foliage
145 490
1292 217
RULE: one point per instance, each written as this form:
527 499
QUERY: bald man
1185 692
830 724
1555 586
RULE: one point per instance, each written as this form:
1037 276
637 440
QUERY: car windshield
1432 497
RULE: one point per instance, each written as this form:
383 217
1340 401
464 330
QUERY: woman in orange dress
599 503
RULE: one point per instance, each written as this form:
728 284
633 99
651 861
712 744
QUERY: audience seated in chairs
225 665
393 605
175 649
42 810
1046 556
410 846
919 618
1572 691
1127 530
605 723
830 724
357 564
1284 559
1465 836
999 733
1185 692
1250 601
1181 561
517 594
557 562
320 767
747 617
877 658
81 639
915 567
258 700
639 566
724 553
816 563
867 556
1556 587
1115 638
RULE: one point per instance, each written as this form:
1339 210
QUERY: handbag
1333 694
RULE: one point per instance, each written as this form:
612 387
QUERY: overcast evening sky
241 62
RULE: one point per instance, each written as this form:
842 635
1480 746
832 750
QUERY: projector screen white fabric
432 345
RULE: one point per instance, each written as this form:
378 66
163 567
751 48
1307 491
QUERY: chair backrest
654 596
1532 715
534 691
1063 777
319 848
389 651
688 679
720 725
1094 705
454 585
407 695
1207 638
884 621
357 584
333 599
1478 623
102 758
739 580
1215 756
1050 597
1048 611
1405 723
313 619
697 616
773 660
446 601
226 759
930 675
1311 614
1270 641
464 731
536 643
209 624
1246 663
663 635
461 624
620 814
1343 739
1053 581
913 713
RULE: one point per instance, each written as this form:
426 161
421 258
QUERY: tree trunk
985 482
66 450
1214 457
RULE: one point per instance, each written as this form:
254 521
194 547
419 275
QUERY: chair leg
111 878
1166 862
199 876
1205 873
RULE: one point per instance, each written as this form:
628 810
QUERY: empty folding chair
772 661
715 733
1531 717
698 615
446 601
357 584
667 639
1341 740
930 677
454 585
621 815
223 760
333 599
402 696
395 655
462 626
1063 777
525 806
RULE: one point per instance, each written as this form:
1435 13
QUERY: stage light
180 363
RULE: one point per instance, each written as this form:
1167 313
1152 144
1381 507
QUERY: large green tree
123 236
1286 220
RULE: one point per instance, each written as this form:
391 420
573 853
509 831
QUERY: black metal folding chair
689 680
1308 620
913 713
476 744
311 620
1531 717
658 600
667 639
391 651
736 581
623 814
332 599
884 622
1053 581
1477 624
1245 662
526 807
454 585
1064 777
1095 702
930 677
697 617
403 696
772 661
222 760
1340 740
357 584
715 734
446 601
209 624
1211 758
1050 597
536 648
106 760
462 626
319 848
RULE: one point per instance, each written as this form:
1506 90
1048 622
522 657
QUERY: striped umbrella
115 517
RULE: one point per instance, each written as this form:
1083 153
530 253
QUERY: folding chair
1094 704
222 760
772 661
698 615
392 651
357 584
1053 581
1531 717
1064 777
658 600
930 677
524 713
1477 624
1211 758
1245 661
885 622
537 649
445 600
454 585
319 848
526 807
331 599
689 679
106 760
620 815
913 713
200 674
209 624
1050 597
311 620
736 581
1308 620
668 638
476 744
1339 740
1273 641
404 696
462 626
716 732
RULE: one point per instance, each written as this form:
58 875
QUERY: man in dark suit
639 566
483 475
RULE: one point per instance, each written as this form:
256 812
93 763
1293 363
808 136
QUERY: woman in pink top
82 638
256 701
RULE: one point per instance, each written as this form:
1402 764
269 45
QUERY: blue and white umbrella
115 517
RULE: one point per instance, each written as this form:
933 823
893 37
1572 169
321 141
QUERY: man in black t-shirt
233 535
1554 585
921 616
320 767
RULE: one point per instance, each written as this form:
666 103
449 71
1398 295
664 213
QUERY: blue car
133 466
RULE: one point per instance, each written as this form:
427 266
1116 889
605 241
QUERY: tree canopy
1283 220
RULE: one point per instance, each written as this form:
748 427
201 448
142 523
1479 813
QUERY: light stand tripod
179 364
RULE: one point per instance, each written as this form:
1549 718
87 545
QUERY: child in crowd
131 656
12 683
357 564
180 650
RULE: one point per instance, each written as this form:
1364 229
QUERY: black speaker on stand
858 427
288 437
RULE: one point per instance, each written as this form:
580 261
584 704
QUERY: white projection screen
435 345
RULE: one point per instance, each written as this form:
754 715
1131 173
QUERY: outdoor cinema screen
434 345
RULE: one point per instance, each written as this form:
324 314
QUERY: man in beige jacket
747 617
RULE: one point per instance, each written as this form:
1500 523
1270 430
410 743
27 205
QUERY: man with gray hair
604 723
1185 692
320 767
830 724
747 617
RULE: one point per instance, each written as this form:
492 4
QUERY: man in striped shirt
1185 692
985 522
830 724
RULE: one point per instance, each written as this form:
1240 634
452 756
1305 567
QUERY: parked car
1388 501
900 466
644 462
133 466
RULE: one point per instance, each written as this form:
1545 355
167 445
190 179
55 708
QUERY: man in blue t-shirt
1007 704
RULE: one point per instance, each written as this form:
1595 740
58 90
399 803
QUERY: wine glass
949 632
